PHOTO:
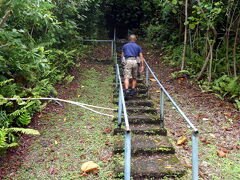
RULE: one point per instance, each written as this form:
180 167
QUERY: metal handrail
122 100
127 143
195 130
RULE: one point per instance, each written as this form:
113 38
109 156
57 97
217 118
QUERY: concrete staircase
153 155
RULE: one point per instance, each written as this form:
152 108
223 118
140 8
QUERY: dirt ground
218 121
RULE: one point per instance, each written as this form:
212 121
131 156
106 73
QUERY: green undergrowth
74 136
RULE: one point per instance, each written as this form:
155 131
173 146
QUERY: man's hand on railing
123 61
141 68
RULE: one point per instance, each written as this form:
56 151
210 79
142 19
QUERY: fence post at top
112 50
195 155
120 107
162 108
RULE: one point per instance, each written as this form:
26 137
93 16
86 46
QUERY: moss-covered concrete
154 167
143 144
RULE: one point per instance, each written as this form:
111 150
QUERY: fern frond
2 83
23 130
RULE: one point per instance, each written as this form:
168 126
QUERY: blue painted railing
194 129
127 142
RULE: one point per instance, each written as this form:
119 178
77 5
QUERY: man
130 52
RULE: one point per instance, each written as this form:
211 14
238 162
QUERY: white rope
68 101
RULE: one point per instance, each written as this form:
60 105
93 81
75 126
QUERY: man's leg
126 83
127 76
134 80
134 83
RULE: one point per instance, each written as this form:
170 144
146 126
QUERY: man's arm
142 62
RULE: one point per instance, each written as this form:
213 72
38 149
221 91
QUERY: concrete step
142 119
146 144
139 81
143 102
141 110
138 90
148 129
129 98
154 167
147 119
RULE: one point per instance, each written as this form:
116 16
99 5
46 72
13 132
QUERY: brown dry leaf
227 114
180 80
152 79
107 131
221 154
89 166
158 91
181 140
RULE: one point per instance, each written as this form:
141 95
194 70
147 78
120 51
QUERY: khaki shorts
130 69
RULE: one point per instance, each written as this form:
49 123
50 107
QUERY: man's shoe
126 92
133 92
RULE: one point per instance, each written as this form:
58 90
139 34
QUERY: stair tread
146 127
146 144
156 166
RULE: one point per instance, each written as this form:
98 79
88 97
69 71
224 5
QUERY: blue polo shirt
131 49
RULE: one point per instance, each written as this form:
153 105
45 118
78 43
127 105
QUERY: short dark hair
132 37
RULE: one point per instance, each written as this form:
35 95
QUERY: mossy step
139 81
139 91
147 129
141 110
154 167
140 102
129 98
142 119
147 119
144 144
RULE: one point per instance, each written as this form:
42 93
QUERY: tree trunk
185 36
234 49
4 18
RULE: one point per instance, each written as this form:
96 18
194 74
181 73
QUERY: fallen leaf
224 150
52 171
65 119
89 167
107 143
158 91
221 154
78 95
55 142
152 79
228 114
181 140
168 167
107 131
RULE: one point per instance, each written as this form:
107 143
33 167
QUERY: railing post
116 85
147 76
127 156
162 108
195 155
120 106
112 49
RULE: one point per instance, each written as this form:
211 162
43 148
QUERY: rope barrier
83 105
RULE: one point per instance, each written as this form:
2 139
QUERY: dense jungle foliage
200 36
40 40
